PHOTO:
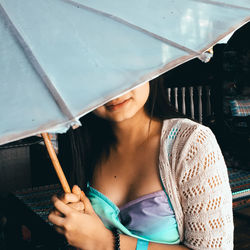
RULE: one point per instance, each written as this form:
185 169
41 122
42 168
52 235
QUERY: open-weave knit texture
195 177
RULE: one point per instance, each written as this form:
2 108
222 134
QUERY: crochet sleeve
204 191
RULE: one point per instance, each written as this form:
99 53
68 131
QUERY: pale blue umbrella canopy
60 59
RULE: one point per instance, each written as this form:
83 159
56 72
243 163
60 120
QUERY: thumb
77 191
87 204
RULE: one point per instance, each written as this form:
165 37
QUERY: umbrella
60 59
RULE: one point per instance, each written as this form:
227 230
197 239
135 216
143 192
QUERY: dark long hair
80 150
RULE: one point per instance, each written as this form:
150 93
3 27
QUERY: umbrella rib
120 20
222 4
36 65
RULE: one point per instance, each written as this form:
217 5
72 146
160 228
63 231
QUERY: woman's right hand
74 200
75 218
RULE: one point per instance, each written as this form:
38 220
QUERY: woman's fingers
87 204
56 220
69 198
61 206
79 206
56 212
76 190
60 230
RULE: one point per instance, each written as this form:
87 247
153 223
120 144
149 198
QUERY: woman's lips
112 106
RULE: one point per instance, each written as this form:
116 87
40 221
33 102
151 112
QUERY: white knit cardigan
195 177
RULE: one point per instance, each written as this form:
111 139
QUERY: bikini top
149 217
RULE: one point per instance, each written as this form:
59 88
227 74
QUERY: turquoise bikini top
149 217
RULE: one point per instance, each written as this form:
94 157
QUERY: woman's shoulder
183 127
186 135
181 122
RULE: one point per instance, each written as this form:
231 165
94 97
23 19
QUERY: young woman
153 181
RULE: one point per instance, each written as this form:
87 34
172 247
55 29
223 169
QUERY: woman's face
126 106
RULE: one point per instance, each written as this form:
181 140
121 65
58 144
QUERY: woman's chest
127 178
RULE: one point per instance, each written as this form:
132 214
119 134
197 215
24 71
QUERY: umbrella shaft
56 163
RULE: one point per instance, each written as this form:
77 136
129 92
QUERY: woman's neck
135 131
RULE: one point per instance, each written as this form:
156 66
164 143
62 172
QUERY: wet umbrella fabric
60 59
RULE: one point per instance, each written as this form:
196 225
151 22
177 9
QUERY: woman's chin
119 118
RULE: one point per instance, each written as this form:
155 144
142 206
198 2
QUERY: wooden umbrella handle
56 163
